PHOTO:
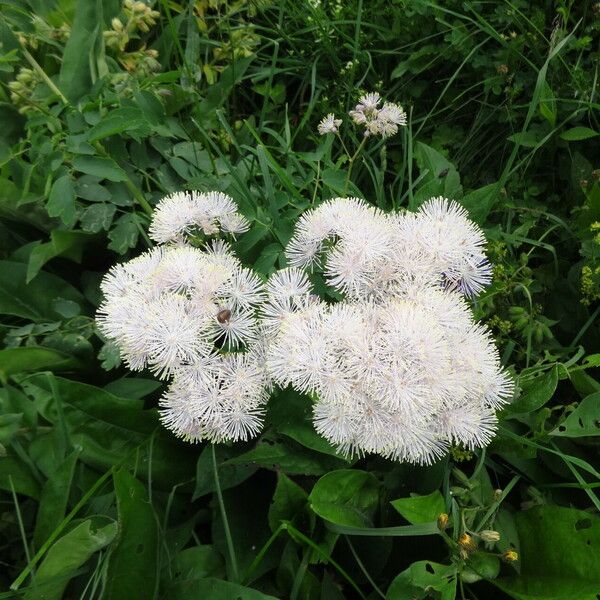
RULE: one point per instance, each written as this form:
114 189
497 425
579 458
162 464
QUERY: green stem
36 66
230 548
351 163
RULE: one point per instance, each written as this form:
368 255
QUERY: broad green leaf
62 243
76 75
67 555
214 589
577 134
440 177
54 498
132 387
104 168
197 562
535 392
289 500
32 300
98 217
230 475
346 497
125 233
421 578
133 564
61 202
584 421
112 430
291 415
15 474
288 457
10 424
421 509
118 121
558 555
480 202
34 358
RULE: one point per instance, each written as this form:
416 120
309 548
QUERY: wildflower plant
380 363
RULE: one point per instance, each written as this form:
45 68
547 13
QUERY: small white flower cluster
183 214
376 120
383 121
398 367
176 308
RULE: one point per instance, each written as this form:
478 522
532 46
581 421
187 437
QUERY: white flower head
329 124
377 120
182 214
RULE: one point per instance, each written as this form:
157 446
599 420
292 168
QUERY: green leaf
288 457
97 217
214 589
76 77
421 578
33 358
289 500
291 414
104 168
112 430
61 202
439 176
132 570
118 121
67 555
33 300
558 558
197 562
62 243
480 202
14 473
230 475
577 134
421 509
584 421
346 497
54 498
125 234
535 392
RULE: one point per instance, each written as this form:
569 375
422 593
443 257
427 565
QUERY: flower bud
466 543
116 24
510 556
489 535
497 495
442 521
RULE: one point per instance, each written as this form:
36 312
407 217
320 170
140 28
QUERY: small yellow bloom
510 556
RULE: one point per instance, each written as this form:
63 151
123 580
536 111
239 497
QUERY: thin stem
34 63
363 569
351 163
229 539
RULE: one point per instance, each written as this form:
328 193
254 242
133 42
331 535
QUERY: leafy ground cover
107 106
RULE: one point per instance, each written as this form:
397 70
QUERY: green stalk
228 537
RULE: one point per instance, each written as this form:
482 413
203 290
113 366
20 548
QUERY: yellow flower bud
116 24
442 521
510 556
466 543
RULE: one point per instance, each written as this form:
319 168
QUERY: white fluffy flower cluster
190 315
183 214
398 367
378 120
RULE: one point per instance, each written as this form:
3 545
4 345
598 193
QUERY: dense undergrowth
106 107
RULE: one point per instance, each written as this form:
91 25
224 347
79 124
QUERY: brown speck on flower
502 69
224 315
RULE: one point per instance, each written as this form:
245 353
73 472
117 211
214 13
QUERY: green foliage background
99 119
